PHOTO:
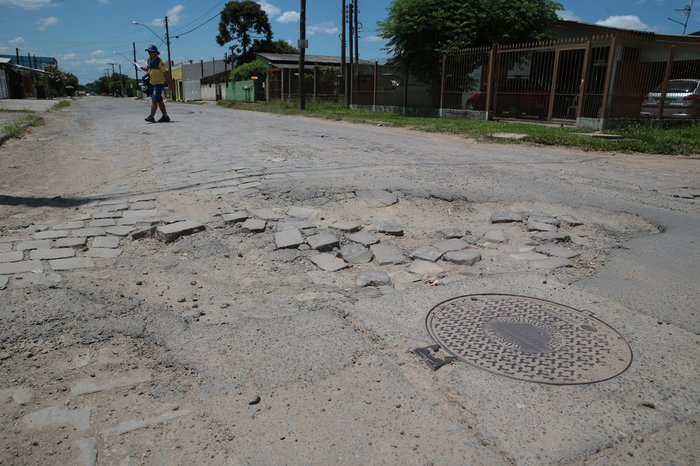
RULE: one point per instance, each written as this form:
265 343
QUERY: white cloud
98 61
269 8
69 57
288 17
623 22
17 41
323 28
43 23
372 39
28 4
567 15
174 16
98 53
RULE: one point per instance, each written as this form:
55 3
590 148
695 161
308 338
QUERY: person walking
156 70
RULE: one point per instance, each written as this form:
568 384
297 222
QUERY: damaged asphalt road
245 288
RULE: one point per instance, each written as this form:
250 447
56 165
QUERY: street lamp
167 43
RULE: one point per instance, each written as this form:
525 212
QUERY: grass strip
17 128
637 137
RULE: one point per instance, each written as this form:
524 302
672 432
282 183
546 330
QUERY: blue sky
84 34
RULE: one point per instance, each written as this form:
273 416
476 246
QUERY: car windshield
679 86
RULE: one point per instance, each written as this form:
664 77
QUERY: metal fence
601 78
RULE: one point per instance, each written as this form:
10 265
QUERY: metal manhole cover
529 339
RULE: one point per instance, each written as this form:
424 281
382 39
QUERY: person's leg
155 98
161 105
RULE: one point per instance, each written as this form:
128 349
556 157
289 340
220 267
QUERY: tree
239 21
55 79
246 71
420 31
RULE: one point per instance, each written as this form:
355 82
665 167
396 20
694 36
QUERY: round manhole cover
529 339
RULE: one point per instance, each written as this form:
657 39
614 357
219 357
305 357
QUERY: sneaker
150 119
164 119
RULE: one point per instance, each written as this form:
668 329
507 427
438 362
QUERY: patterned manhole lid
529 339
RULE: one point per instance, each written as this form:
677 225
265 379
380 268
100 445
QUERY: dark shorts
157 93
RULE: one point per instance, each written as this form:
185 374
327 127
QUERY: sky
87 36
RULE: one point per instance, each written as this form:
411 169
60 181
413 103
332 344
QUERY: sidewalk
16 109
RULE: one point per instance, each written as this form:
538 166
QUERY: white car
682 100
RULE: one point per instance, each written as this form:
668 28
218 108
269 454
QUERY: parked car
682 100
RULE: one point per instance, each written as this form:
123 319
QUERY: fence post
374 91
442 84
584 79
664 85
490 83
405 93
608 78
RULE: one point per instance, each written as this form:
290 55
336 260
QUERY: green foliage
17 128
61 104
239 21
419 31
246 71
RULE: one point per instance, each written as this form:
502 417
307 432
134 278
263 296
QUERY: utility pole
121 81
302 54
170 63
350 33
343 65
357 32
17 53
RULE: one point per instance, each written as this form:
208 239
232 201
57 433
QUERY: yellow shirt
156 70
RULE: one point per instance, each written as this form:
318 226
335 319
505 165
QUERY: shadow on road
57 201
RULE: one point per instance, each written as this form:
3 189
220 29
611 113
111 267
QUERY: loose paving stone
140 213
10 268
328 262
142 198
71 264
55 416
103 222
372 278
69 225
557 251
171 232
449 245
235 217
254 225
528 256
401 277
135 424
347 226
570 220
103 253
462 257
363 237
127 221
56 253
543 219
552 263
108 214
4 279
422 268
390 228
295 223
506 217
89 386
551 236
51 234
265 214
12 256
121 230
540 226
289 238
88 451
301 212
427 253
88 232
36 279
355 253
387 254
36 244
116 207
494 236
110 242
449 233
377 198
323 241
143 233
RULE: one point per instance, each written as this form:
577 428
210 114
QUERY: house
21 82
200 81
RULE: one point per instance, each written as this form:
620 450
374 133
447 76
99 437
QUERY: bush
245 72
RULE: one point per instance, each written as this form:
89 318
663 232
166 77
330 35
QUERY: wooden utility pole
343 64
